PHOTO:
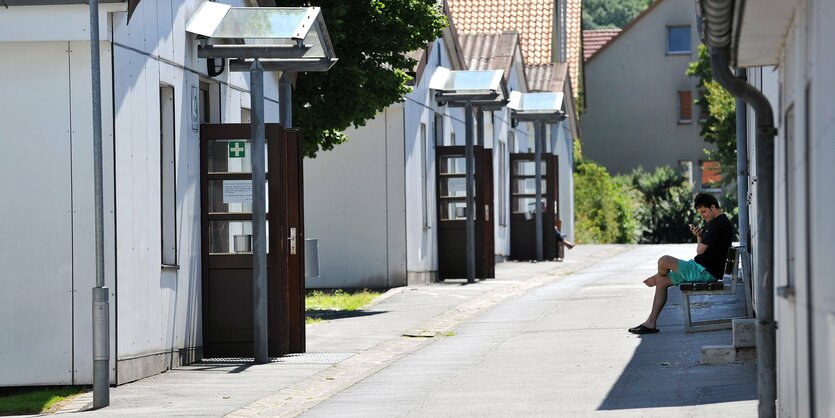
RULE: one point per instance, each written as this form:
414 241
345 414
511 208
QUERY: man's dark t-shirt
718 236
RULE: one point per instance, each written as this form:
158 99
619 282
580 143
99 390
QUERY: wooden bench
726 286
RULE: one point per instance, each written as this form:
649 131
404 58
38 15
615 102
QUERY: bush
604 207
666 208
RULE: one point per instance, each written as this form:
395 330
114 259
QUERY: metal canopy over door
226 194
452 213
522 204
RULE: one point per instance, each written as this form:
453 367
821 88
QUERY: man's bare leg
661 281
666 264
661 285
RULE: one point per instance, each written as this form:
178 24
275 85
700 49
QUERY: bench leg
685 305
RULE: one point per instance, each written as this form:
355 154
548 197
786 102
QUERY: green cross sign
237 149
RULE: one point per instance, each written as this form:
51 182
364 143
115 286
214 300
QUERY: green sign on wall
237 149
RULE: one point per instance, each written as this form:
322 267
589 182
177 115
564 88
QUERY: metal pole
742 167
539 133
285 101
101 304
479 117
468 117
259 209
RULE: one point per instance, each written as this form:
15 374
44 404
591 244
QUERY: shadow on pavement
665 370
328 314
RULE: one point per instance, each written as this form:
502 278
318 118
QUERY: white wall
355 207
49 269
804 197
421 108
159 309
48 258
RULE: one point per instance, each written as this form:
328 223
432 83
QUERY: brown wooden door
288 166
452 215
486 201
226 218
522 204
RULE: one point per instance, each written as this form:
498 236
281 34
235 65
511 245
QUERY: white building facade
789 55
155 94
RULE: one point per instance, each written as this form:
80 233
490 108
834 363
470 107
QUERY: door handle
292 239
487 212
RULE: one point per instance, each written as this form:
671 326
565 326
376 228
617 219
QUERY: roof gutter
716 27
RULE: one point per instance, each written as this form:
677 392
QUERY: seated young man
712 245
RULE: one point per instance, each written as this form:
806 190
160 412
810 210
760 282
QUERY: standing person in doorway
712 243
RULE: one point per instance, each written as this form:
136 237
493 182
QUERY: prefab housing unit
155 94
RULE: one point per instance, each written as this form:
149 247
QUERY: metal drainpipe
766 327
742 173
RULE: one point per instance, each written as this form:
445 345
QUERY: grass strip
36 400
335 300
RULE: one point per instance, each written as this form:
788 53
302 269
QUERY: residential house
155 95
639 101
549 32
372 202
789 57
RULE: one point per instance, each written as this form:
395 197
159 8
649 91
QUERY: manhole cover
299 358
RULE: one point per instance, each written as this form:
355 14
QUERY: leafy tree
603 14
666 205
371 39
719 127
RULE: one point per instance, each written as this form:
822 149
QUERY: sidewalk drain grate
299 358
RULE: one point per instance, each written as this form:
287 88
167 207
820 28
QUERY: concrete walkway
542 339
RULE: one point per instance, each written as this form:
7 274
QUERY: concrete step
726 354
745 333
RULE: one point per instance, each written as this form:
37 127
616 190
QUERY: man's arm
700 247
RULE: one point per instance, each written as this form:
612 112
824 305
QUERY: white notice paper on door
237 191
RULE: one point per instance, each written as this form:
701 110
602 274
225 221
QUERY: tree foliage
371 39
603 207
603 14
666 205
719 125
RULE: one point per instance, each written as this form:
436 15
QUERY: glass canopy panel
541 102
472 81
251 22
536 102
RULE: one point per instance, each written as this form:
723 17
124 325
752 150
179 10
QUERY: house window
168 189
678 39
685 106
424 178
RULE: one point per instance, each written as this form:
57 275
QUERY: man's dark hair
704 200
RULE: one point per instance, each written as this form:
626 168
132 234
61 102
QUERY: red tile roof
533 19
574 18
593 40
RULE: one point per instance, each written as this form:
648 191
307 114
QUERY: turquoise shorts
690 271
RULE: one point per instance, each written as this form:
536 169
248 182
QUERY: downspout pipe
742 173
764 269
